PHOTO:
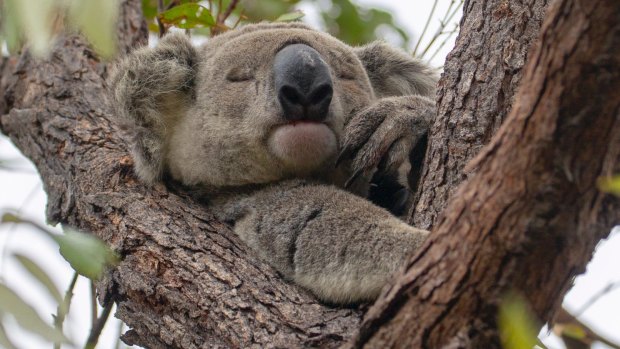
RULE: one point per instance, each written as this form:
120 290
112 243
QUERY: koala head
255 105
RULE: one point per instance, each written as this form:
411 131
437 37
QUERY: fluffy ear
152 87
393 72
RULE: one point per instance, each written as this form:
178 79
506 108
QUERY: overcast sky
23 190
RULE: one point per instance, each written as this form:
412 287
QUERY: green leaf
290 17
188 16
574 331
27 317
86 253
517 325
96 19
10 218
35 270
610 185
33 19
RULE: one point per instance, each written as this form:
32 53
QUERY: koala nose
303 83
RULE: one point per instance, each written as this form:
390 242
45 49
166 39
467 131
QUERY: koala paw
383 135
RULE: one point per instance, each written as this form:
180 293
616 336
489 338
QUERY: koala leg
337 245
153 87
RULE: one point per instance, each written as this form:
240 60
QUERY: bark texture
186 281
530 217
475 93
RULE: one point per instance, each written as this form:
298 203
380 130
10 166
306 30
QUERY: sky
22 190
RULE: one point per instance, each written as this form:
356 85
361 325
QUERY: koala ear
152 88
393 72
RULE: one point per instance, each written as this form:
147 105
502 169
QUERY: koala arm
337 245
152 89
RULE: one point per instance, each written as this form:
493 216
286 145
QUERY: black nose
303 83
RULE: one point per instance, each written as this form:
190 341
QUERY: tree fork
531 215
186 281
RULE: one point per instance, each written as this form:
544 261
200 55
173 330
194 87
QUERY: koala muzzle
303 83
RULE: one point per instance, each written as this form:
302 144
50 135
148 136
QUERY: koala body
281 128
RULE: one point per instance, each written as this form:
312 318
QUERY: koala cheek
303 146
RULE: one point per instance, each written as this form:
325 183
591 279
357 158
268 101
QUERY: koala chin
303 146
284 129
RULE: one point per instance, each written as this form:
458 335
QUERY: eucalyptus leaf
291 16
188 16
96 19
33 18
8 217
35 270
574 331
517 325
27 317
85 253
610 185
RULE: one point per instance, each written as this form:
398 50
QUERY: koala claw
382 136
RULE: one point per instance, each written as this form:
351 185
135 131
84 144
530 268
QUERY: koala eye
346 75
239 74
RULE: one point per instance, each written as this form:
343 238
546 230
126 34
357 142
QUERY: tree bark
186 281
530 217
475 94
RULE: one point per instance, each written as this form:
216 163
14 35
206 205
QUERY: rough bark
475 94
530 217
186 281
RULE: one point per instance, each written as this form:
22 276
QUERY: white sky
23 190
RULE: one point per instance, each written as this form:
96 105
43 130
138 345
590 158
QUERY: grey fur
209 118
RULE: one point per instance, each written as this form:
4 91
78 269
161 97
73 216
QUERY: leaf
35 270
33 19
610 185
188 16
516 323
574 331
96 19
27 317
290 17
85 253
10 218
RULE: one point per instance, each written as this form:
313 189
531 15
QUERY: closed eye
240 74
346 75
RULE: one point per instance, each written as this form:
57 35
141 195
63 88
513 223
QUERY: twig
221 17
63 309
448 16
565 318
95 331
231 7
239 19
121 325
93 304
607 289
444 42
160 10
428 21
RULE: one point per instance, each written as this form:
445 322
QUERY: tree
526 218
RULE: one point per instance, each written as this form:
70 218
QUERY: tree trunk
530 217
186 281
475 94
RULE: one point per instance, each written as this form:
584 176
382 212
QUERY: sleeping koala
282 128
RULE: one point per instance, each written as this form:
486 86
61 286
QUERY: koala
285 131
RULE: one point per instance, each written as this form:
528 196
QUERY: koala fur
216 120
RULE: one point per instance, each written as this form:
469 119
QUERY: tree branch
187 280
530 217
475 93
